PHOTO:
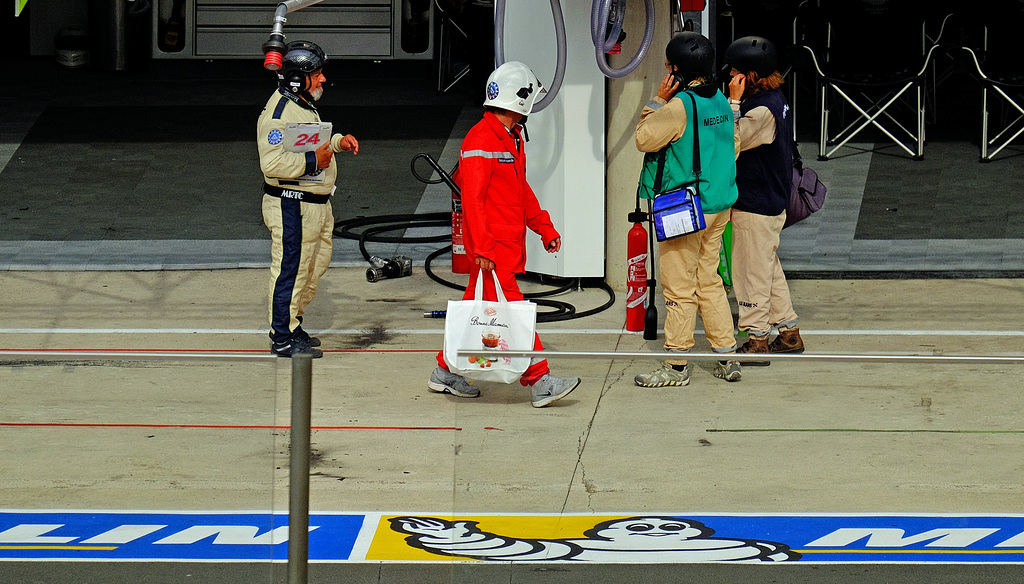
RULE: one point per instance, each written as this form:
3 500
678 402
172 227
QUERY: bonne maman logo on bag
475 321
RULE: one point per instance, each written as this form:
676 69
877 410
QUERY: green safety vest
717 155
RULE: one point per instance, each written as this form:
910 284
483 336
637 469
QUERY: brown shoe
755 345
788 341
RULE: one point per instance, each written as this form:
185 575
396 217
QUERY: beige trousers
757 277
690 282
300 252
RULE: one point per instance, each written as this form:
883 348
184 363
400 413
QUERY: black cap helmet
302 58
752 53
692 53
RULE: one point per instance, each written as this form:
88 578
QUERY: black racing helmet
302 58
752 53
692 53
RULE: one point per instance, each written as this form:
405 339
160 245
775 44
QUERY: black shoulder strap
696 139
661 170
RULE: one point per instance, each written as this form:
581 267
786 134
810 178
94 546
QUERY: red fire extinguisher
460 261
636 272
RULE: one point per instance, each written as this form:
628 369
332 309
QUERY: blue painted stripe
166 535
340 537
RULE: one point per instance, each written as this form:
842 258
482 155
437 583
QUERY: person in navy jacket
764 179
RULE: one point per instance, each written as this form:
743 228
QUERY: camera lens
374 274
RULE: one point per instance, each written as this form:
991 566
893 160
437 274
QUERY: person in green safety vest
689 264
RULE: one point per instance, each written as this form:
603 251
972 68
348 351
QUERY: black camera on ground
384 268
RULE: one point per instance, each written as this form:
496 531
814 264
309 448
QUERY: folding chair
449 34
999 67
940 28
870 64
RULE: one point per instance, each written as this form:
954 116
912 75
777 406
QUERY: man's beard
317 93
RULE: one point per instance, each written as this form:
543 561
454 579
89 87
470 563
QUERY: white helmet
513 87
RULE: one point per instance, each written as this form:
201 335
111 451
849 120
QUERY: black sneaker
305 337
295 347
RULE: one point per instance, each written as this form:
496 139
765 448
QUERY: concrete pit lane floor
802 437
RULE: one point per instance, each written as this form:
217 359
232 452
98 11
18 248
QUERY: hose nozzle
274 50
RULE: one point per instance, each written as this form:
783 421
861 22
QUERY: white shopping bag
487 325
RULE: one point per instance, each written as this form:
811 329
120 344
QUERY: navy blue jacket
764 175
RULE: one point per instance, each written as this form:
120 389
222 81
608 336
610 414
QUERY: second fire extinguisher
460 261
636 272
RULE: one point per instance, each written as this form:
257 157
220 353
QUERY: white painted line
211 331
361 546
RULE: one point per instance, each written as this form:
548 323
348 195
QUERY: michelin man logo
492 91
653 539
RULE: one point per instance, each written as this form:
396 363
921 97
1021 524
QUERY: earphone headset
297 80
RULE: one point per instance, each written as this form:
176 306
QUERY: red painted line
231 351
216 426
118 350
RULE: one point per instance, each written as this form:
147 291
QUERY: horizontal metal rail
745 357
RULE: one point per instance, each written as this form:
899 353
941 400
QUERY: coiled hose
347 229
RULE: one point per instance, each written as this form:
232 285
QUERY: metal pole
298 469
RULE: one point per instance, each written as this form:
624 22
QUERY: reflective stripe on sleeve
485 154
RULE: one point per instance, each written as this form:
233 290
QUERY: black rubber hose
611 301
563 310
371 235
446 177
344 229
435 277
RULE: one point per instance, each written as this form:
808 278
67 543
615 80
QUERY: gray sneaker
728 370
662 377
550 388
444 381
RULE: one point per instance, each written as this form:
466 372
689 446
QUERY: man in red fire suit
498 206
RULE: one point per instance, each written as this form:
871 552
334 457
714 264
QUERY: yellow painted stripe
59 547
842 551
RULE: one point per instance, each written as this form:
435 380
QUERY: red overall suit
498 205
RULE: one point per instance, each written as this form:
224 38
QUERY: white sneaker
550 388
444 381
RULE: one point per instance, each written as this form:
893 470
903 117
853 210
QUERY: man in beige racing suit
299 171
